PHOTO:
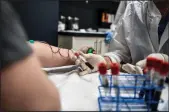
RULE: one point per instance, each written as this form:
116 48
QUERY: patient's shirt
12 37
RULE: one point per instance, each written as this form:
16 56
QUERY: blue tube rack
128 90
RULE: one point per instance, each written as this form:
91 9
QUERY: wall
40 18
88 13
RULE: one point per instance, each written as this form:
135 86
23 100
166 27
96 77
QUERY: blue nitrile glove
108 37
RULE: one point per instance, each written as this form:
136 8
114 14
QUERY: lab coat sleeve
13 37
118 46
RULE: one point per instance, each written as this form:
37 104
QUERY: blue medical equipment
127 96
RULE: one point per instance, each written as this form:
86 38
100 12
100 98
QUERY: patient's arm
49 59
25 87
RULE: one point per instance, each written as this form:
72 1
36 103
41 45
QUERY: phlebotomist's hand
93 60
87 49
138 68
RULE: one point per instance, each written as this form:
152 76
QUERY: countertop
81 34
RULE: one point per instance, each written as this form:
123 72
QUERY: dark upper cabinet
88 13
39 18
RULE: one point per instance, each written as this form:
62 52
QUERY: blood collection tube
149 77
115 72
84 60
151 61
103 71
163 70
147 72
115 69
156 67
142 91
76 54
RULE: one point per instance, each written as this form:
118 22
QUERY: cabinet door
65 42
101 46
79 42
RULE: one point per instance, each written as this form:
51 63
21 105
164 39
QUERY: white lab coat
119 13
136 34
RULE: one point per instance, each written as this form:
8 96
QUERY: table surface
81 93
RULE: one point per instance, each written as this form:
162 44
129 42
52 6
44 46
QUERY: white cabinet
74 42
79 42
102 47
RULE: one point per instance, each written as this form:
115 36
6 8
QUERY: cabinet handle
96 46
100 46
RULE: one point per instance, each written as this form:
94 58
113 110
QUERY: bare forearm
51 56
24 87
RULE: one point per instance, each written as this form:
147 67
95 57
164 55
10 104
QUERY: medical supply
115 72
91 50
156 66
92 59
103 70
163 69
142 91
126 97
148 68
62 69
149 78
84 60
126 100
87 50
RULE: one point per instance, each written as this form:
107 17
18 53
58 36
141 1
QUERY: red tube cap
76 54
115 69
150 62
164 68
157 64
102 68
145 71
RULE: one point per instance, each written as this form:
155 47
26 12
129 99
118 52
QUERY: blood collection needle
84 60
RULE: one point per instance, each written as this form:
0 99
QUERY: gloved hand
132 69
138 68
92 59
108 37
85 49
